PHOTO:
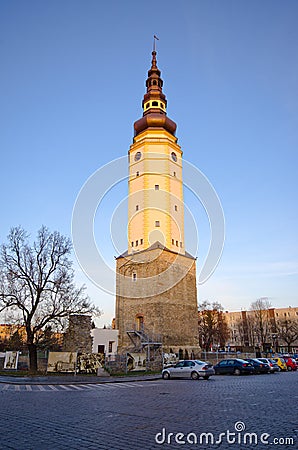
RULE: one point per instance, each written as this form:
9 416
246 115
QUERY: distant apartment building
8 330
271 330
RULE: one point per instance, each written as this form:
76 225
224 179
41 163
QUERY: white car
193 369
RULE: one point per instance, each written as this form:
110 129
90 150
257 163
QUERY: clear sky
72 81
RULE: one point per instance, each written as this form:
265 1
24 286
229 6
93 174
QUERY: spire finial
155 38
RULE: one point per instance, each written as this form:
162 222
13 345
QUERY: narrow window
137 207
132 244
141 241
134 277
177 243
157 187
111 346
137 243
137 174
157 223
147 105
174 174
173 242
176 208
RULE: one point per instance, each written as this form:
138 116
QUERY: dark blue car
233 366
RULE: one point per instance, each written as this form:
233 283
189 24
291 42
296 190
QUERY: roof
155 246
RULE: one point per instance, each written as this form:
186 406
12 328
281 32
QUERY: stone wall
158 287
78 335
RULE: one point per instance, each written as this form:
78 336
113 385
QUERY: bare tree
213 329
260 320
287 330
37 283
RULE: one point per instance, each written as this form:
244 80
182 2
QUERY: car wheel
237 372
289 368
206 377
194 376
166 376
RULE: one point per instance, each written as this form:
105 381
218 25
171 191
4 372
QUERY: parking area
150 415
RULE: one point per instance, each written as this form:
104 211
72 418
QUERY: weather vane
155 38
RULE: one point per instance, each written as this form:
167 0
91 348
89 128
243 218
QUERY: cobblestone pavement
129 415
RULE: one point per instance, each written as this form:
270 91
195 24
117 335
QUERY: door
140 323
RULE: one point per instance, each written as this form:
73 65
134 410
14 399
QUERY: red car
290 362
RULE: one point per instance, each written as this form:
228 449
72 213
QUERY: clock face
138 156
174 156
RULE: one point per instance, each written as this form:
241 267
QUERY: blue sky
72 81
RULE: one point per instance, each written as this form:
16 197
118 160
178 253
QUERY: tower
156 278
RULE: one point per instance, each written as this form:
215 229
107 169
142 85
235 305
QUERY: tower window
176 208
157 223
177 243
154 103
147 105
137 207
132 244
174 174
154 82
141 241
134 277
157 187
161 105
173 242
137 174
137 243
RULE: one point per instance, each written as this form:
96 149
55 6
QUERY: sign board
64 362
11 360
136 361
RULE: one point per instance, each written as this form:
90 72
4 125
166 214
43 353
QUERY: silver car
193 369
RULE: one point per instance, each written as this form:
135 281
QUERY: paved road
129 416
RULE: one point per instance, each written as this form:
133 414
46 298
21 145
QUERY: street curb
24 382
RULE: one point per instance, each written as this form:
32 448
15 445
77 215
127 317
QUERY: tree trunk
32 357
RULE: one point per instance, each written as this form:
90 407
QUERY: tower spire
154 102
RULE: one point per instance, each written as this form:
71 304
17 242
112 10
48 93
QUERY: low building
105 341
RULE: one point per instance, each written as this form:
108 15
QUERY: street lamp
275 343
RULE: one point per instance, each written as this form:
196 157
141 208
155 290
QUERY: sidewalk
79 379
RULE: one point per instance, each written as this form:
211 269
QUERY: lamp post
275 343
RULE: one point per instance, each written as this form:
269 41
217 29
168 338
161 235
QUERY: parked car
290 363
260 367
281 363
272 364
193 369
234 366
